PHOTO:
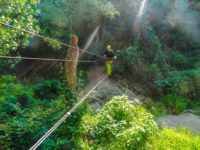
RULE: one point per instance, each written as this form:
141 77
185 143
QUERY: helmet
108 47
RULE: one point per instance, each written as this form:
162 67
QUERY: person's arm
114 56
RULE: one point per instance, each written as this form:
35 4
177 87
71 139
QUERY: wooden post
71 66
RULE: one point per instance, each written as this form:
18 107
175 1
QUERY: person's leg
108 67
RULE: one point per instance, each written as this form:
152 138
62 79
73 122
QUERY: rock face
187 120
106 90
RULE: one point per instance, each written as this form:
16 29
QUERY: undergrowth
175 140
172 104
27 111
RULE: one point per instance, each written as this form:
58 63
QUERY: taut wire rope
47 134
45 59
47 38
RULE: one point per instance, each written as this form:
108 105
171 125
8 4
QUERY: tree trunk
71 66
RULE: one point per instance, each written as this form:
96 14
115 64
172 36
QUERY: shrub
119 125
14 95
82 79
130 59
156 108
24 118
174 103
47 89
179 60
184 83
170 139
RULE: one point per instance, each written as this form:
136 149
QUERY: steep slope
106 90
113 87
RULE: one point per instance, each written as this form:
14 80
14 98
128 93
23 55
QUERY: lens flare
142 8
91 38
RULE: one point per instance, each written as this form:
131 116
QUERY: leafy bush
47 90
170 139
119 125
174 103
13 95
11 39
129 58
143 63
185 83
156 108
82 79
26 113
179 60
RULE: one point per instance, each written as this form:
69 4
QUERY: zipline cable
40 141
47 38
45 59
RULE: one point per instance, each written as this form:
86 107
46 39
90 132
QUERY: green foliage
174 103
14 92
170 139
185 83
179 60
162 54
152 49
52 87
28 111
19 13
129 59
138 55
82 79
119 125
156 108
167 44
142 65
62 17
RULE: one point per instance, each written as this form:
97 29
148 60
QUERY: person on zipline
109 57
